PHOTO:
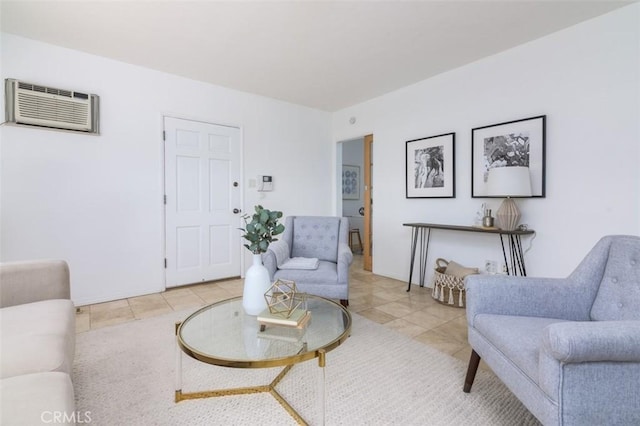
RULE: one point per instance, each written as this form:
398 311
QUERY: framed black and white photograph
350 182
430 167
518 143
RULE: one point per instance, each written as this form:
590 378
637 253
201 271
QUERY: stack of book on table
285 334
297 319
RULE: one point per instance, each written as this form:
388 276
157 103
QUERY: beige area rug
124 375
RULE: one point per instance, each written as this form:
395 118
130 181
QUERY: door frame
367 242
162 177
368 187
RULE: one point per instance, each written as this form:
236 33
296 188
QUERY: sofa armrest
270 257
345 257
526 296
592 341
33 281
269 262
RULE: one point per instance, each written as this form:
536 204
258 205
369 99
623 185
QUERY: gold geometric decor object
281 298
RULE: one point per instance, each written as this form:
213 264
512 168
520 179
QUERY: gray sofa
569 349
320 237
37 346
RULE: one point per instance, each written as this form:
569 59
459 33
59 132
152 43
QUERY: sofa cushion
32 281
309 263
37 337
316 237
618 297
518 338
38 398
326 273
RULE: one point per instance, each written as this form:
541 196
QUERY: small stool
355 231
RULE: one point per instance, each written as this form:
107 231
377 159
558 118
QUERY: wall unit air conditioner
36 105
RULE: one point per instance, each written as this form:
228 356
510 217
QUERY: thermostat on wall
265 183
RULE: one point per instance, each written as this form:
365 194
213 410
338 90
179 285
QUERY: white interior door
202 201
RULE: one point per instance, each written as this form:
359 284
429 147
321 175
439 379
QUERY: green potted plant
259 231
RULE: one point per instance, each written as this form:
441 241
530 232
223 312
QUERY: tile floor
380 299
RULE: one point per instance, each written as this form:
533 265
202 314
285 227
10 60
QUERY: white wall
585 79
96 201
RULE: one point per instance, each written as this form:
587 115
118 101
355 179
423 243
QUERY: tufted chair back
618 296
315 236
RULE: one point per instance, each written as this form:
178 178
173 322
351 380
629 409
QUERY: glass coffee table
222 334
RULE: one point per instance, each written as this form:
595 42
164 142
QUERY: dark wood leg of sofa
344 302
474 361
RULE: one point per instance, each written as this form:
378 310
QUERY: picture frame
512 143
430 167
350 182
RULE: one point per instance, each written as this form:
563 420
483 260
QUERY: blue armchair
569 349
307 238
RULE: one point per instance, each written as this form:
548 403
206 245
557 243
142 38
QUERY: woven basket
448 289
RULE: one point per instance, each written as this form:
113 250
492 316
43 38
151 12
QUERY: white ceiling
323 54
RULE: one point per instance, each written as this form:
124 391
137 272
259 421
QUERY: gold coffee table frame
316 340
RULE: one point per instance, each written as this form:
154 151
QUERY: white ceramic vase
256 284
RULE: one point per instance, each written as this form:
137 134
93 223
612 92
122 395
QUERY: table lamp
508 182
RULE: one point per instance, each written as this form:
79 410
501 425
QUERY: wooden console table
422 232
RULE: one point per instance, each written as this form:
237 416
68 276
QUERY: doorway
355 195
202 201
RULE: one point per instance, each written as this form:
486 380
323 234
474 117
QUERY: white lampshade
509 182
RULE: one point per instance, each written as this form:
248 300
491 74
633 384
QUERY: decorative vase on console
259 232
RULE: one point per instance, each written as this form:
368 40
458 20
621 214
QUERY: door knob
236 211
